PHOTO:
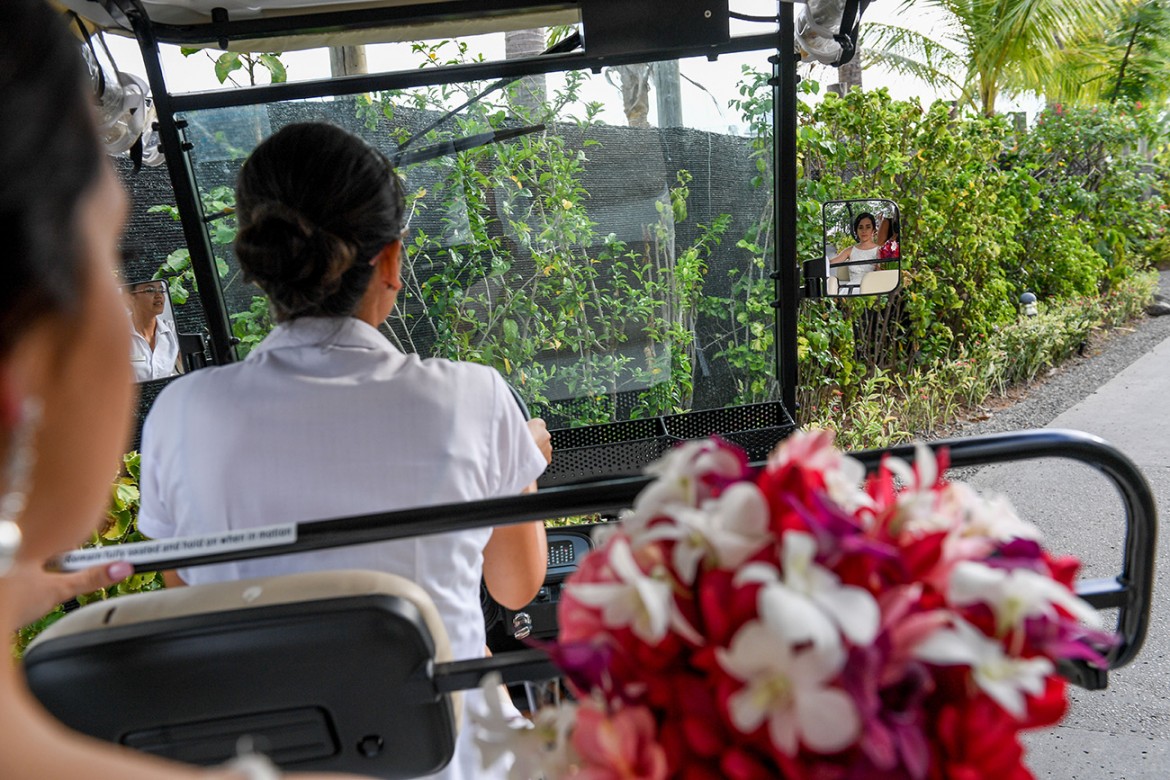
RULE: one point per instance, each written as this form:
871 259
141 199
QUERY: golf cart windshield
602 256
590 213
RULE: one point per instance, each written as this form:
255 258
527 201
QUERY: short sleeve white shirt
158 362
326 418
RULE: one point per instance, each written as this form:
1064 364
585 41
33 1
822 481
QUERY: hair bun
315 205
281 248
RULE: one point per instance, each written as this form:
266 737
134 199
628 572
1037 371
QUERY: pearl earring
17 470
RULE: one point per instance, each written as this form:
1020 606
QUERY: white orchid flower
807 602
530 749
679 481
1015 595
790 691
961 510
1002 677
727 530
844 484
991 516
643 603
919 509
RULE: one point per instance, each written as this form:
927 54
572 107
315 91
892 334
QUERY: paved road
1123 732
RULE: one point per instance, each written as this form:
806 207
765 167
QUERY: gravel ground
1044 399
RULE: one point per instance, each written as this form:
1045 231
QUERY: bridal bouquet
806 622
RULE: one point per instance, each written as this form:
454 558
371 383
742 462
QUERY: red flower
724 607
976 740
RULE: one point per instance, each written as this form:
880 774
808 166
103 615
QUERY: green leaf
275 68
170 211
126 494
511 331
178 261
224 233
228 61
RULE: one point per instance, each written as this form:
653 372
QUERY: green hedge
1069 210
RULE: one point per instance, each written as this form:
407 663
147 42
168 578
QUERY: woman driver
65 382
326 418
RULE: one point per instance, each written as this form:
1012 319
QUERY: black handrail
1130 592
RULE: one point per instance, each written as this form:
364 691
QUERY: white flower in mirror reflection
789 691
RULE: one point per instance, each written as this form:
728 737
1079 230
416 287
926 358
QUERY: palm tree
1130 59
988 47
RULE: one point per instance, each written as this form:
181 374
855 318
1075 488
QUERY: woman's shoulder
454 369
205 385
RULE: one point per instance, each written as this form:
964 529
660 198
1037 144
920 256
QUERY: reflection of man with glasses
154 349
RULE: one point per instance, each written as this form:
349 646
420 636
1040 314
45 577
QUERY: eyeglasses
150 291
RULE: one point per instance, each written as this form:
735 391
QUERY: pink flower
620 746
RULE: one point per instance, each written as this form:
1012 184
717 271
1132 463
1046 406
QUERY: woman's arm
842 256
515 561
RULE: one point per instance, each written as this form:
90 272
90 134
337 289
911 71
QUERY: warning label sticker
141 554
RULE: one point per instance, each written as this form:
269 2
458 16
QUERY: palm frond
911 53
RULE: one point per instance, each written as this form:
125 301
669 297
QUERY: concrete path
1122 732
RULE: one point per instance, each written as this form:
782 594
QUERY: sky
706 106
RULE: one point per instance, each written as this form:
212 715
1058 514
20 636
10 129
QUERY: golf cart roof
286 25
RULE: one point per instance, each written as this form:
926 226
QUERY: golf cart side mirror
155 347
862 250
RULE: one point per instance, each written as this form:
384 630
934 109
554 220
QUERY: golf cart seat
876 282
331 671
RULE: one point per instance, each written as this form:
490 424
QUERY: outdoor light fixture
1028 302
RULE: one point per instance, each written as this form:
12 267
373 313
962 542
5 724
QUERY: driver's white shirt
324 419
159 362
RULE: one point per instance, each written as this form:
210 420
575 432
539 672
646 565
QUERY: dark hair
49 161
861 216
315 205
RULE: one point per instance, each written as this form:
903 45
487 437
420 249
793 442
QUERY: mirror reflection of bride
864 230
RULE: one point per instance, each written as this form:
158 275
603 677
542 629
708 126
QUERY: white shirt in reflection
326 418
160 362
